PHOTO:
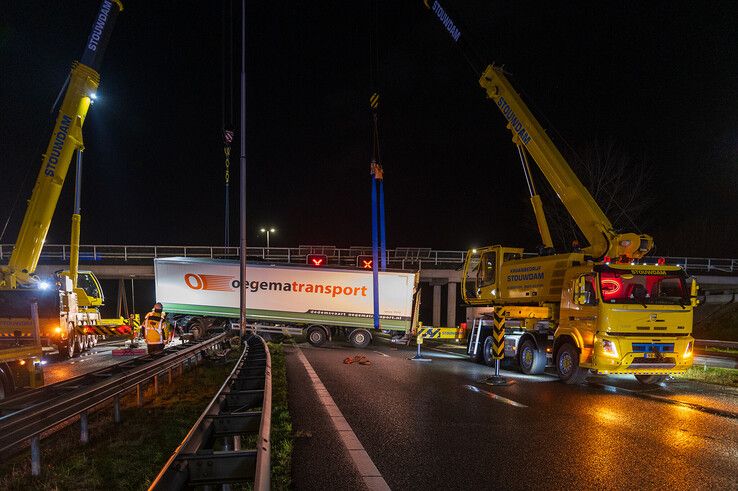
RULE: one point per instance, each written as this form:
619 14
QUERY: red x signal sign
364 262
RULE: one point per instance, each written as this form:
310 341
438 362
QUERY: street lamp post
268 231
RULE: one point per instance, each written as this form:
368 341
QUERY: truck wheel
650 379
72 345
531 360
489 360
567 365
360 338
317 335
5 388
197 328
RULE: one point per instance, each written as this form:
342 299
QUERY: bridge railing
400 257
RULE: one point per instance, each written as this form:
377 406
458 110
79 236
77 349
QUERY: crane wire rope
227 107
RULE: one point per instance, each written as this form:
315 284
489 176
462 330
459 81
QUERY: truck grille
652 363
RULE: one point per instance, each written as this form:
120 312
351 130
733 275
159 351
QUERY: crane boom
589 217
531 138
65 139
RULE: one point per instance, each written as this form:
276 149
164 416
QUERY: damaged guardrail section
230 442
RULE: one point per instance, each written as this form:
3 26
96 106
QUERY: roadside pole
243 169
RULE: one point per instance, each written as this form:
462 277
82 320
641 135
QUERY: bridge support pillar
436 305
451 305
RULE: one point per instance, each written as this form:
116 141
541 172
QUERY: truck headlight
609 348
688 351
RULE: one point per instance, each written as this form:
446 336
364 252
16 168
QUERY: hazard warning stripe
498 337
104 330
440 333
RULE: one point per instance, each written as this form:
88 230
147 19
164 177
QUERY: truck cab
629 319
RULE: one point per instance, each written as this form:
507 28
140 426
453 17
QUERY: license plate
650 355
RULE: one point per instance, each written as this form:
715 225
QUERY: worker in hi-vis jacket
154 328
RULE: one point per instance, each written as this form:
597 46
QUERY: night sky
657 79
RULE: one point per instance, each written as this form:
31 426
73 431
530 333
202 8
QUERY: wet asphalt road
436 425
96 358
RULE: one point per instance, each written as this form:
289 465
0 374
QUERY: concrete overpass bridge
440 270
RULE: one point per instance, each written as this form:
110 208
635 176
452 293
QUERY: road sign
317 260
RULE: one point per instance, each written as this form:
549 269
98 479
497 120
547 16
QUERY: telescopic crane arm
531 139
65 139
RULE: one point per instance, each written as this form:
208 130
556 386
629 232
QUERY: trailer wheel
567 365
532 361
360 338
317 335
650 379
487 352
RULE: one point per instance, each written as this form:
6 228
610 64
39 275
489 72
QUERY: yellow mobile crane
64 311
598 309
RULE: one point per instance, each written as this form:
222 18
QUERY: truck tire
6 388
650 379
317 335
360 338
197 329
531 360
72 348
489 360
567 365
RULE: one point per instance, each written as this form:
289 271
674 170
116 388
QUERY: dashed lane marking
494 396
363 463
380 353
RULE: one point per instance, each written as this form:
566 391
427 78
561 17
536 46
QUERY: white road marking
380 353
363 463
448 352
494 396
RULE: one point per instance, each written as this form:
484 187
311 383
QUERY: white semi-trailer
203 294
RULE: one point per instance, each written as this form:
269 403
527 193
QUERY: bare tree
618 183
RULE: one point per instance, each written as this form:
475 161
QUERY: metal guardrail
715 343
211 453
28 415
400 257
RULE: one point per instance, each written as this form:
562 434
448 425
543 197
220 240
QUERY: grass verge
281 422
120 456
712 375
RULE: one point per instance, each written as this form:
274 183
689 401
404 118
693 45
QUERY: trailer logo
221 283
56 148
212 282
97 30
